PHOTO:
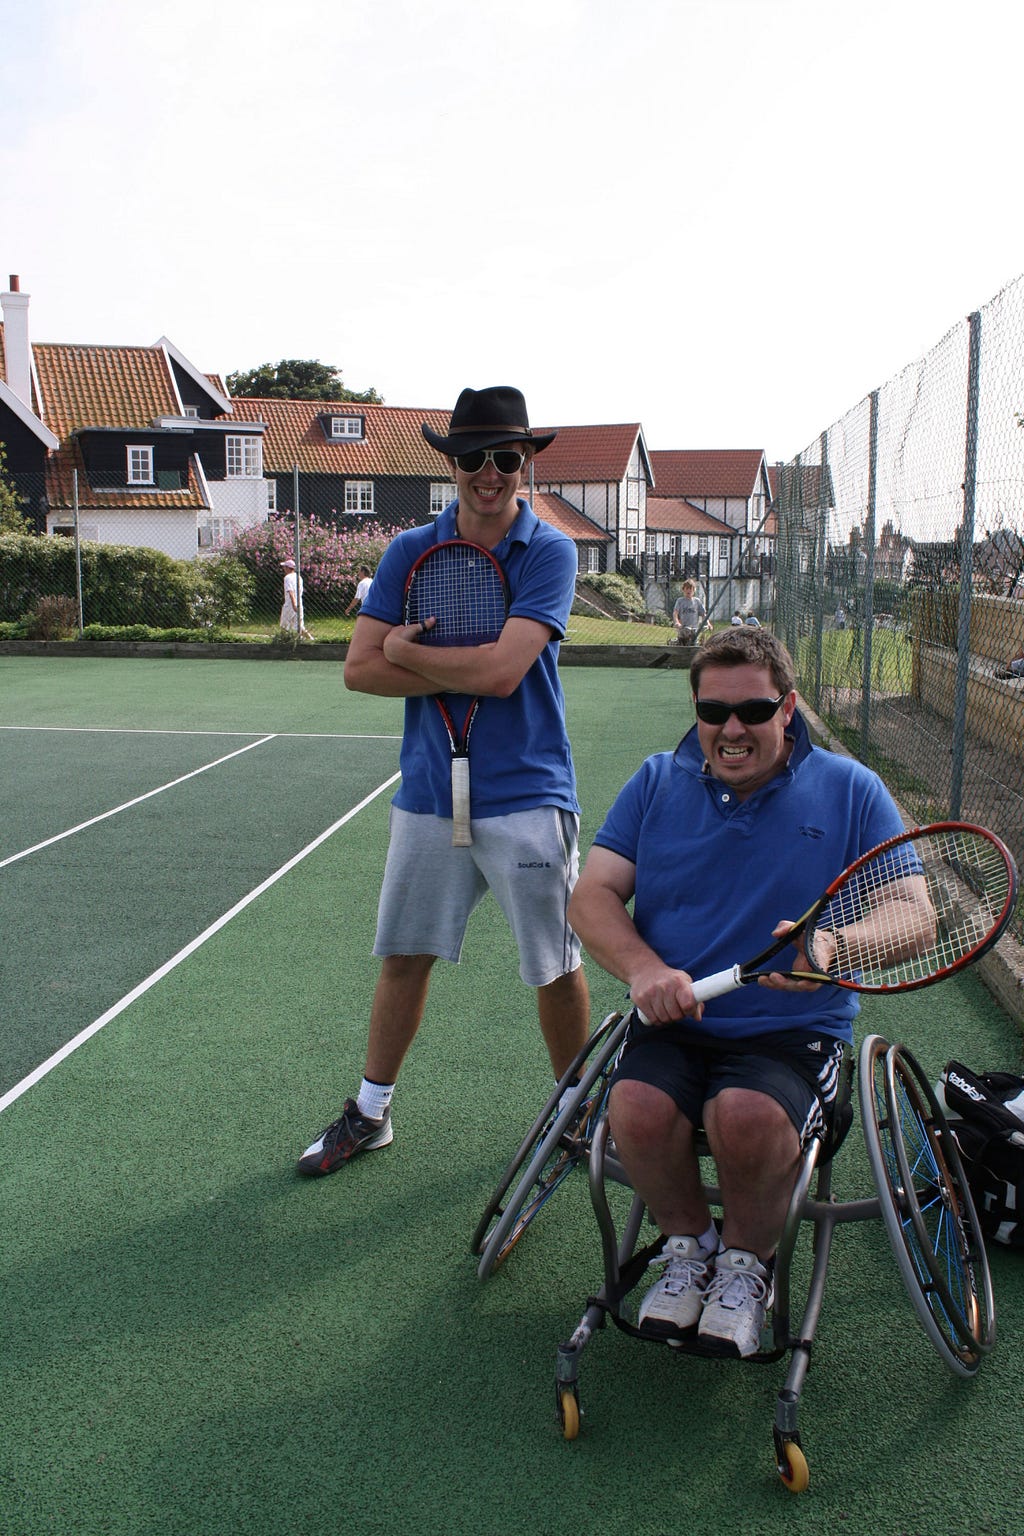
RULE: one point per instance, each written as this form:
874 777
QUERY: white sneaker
673 1305
735 1303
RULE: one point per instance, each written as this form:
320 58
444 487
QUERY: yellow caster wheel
792 1466
569 1414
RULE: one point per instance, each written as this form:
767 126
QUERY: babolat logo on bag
986 1115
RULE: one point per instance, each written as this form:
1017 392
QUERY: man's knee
642 1114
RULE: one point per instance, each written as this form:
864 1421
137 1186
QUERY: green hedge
122 584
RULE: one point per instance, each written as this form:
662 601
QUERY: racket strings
462 589
913 911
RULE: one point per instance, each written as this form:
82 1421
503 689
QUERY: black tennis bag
986 1115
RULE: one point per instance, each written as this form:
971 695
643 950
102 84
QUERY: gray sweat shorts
529 860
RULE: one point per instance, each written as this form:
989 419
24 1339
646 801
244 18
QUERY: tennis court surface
196 1341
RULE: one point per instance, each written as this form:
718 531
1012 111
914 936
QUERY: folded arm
390 660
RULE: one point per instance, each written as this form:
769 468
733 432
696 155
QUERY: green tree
12 516
296 378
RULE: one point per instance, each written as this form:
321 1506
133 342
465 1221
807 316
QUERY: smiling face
744 756
487 499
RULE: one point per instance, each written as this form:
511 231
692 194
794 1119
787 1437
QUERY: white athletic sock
374 1099
710 1242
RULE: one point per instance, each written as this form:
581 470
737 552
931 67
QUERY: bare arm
389 660
598 912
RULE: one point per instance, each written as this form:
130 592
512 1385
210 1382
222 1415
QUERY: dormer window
346 426
140 465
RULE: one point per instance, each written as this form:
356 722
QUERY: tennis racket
463 589
908 913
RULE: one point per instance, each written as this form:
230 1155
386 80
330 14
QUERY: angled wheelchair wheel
555 1144
926 1206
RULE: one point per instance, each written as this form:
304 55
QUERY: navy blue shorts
798 1070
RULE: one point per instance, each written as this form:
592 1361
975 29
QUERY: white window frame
346 426
140 464
632 545
271 494
243 458
359 498
441 493
590 561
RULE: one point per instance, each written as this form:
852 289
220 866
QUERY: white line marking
164 970
118 730
105 815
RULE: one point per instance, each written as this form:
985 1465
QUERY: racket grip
462 836
718 984
711 986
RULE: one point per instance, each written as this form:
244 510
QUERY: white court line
147 730
105 815
164 970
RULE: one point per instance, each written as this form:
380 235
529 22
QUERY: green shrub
625 594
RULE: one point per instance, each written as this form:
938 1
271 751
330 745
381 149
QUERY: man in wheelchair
715 845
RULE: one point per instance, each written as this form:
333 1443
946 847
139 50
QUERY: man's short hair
745 647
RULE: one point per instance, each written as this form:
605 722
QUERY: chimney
16 345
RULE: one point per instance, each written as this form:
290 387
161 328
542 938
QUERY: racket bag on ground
986 1115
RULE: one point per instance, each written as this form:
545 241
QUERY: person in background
291 616
525 814
362 587
689 614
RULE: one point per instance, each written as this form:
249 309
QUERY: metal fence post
297 556
868 605
963 627
78 553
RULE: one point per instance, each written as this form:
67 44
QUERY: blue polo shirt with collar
714 874
519 749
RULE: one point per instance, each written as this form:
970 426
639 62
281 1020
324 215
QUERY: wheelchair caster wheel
792 1467
568 1413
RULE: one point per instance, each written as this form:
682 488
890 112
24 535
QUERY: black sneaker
350 1134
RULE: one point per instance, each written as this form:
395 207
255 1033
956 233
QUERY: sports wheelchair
921 1194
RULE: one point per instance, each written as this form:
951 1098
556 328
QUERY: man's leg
655 1142
398 1003
563 1007
757 1155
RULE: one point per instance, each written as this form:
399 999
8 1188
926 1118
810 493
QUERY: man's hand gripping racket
458 592
910 912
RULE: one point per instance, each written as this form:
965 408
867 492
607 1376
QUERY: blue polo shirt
715 874
519 750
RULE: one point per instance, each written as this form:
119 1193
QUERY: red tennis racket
463 589
908 913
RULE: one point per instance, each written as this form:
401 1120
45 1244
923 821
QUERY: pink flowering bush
330 559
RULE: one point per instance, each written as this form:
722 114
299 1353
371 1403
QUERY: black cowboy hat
483 418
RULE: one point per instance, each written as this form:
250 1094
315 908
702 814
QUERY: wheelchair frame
921 1194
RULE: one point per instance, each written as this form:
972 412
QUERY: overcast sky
728 220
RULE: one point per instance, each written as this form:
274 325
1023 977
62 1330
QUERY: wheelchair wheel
558 1140
926 1206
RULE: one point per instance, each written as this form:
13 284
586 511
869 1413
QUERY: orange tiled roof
585 455
712 472
60 487
557 511
103 386
392 443
673 514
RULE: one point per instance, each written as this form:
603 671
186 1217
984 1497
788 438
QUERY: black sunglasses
507 461
747 712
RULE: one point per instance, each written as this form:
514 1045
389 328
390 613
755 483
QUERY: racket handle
711 986
462 836
718 984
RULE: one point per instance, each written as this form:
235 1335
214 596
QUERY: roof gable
588 455
709 472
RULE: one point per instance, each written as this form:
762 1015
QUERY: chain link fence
900 559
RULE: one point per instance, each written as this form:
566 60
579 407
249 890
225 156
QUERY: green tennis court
196 1341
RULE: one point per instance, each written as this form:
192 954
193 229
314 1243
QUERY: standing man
747 797
525 815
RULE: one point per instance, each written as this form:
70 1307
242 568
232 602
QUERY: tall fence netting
900 553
